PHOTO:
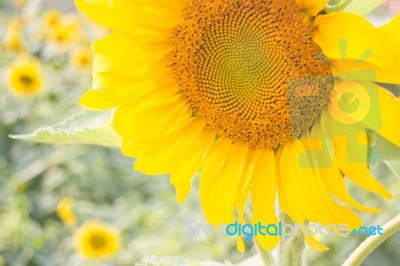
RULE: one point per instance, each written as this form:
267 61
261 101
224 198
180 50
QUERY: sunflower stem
372 242
291 249
265 255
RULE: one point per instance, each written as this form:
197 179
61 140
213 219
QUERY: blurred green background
34 178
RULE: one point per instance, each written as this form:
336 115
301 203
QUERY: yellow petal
283 198
134 124
100 11
391 30
331 176
133 17
313 7
389 107
352 103
126 76
359 70
160 156
240 245
361 67
182 174
125 45
219 181
162 13
334 182
245 180
315 244
264 193
359 35
305 190
357 172
375 110
351 152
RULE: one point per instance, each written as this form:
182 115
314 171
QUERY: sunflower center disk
250 68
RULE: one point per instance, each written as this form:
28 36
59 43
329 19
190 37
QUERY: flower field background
55 199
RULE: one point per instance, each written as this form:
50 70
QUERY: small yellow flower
25 77
64 211
51 18
81 57
60 35
64 34
13 40
96 240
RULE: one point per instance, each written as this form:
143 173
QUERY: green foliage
386 152
82 128
361 7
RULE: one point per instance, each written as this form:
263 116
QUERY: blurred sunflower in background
64 34
13 40
51 18
253 95
61 30
81 57
96 240
25 77
65 211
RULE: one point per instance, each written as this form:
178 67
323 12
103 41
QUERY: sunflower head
96 240
255 77
25 77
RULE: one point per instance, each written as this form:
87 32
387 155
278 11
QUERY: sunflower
65 212
268 98
96 240
51 18
61 30
13 40
63 35
25 77
81 57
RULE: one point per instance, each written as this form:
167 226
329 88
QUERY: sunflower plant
273 104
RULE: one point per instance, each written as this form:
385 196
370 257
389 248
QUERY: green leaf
394 167
385 151
82 128
362 7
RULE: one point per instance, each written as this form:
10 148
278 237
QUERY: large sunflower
255 95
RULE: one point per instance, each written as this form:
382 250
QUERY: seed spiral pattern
251 69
